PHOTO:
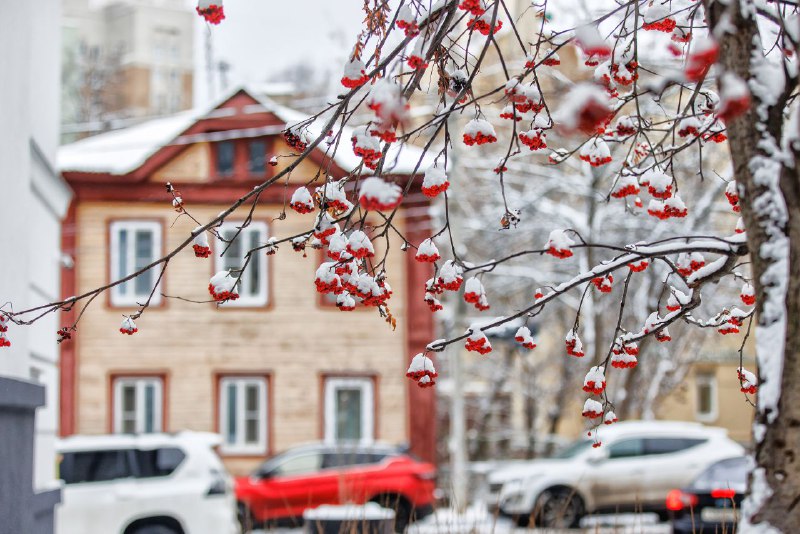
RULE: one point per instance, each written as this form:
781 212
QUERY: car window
158 462
94 466
299 465
345 459
670 445
575 448
626 448
731 473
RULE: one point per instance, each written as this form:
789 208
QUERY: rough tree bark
776 431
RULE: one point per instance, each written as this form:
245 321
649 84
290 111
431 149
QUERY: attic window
257 155
225 157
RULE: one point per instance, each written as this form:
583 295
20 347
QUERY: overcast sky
259 38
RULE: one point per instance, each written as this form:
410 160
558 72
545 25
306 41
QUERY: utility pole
457 445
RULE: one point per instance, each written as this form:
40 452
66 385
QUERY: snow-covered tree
665 80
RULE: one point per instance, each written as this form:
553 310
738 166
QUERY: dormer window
226 156
257 157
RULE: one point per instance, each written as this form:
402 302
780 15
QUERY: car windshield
575 449
730 473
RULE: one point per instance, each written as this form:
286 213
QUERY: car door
96 484
297 483
615 480
671 464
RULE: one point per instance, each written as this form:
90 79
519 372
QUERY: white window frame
261 298
367 387
706 379
139 383
130 298
240 447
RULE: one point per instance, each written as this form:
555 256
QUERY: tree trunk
775 485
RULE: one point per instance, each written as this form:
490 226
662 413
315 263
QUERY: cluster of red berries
201 251
478 342
479 139
533 139
294 141
603 283
666 25
214 14
476 7
63 334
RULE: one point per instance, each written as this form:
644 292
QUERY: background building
123 60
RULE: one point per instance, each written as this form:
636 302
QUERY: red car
305 477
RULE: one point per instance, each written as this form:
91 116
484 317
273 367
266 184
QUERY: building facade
124 60
32 203
277 367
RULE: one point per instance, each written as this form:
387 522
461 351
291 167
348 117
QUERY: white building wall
33 201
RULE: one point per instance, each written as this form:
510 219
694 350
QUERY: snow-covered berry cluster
748 381
478 342
559 244
475 294
222 286
355 74
128 327
427 252
479 132
523 337
200 246
434 182
595 380
688 263
422 371
379 195
573 344
301 201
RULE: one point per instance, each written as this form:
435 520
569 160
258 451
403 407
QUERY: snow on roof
122 151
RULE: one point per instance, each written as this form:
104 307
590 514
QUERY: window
226 151
138 405
158 462
670 445
134 245
349 410
299 465
95 466
257 157
626 449
706 397
243 415
253 286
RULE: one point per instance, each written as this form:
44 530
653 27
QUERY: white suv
634 469
145 484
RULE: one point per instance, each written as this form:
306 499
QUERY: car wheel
558 508
403 512
245 516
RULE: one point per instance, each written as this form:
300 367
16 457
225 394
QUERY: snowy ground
477 520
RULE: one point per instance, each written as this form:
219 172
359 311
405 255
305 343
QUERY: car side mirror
262 474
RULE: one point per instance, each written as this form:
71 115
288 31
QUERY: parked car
634 469
308 476
711 503
145 484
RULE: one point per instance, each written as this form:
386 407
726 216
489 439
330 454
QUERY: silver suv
634 469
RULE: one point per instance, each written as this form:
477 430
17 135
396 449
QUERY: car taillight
218 484
723 493
678 500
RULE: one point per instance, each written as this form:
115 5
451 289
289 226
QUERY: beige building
277 367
